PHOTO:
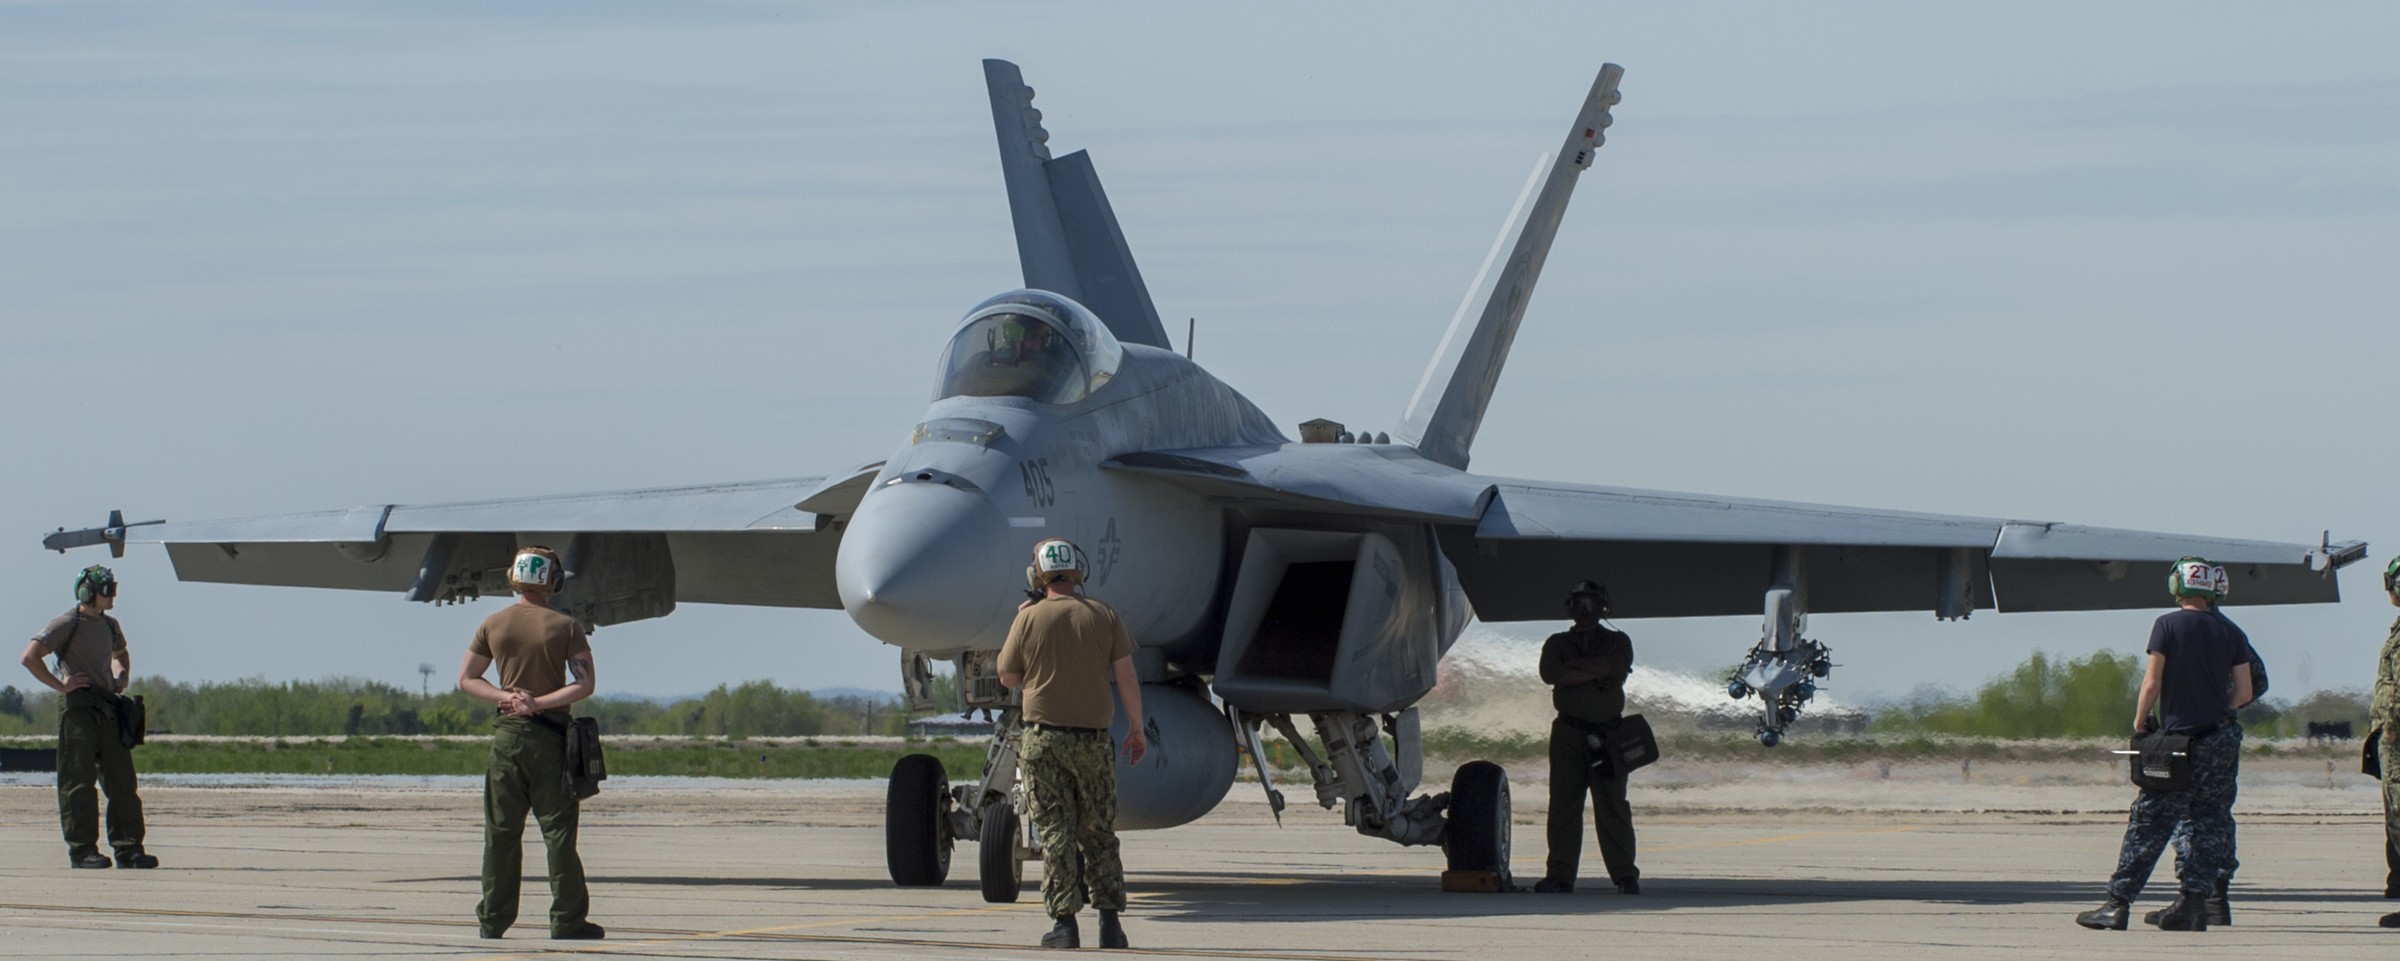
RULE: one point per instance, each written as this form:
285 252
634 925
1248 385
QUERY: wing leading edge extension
633 554
1515 543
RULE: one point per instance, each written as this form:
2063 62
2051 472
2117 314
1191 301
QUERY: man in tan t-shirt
1061 653
545 665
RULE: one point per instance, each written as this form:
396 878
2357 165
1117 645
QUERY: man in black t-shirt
2195 655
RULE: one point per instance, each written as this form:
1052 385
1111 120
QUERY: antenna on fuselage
1191 325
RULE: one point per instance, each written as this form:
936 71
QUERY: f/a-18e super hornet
1269 583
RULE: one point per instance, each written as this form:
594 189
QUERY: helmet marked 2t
2196 577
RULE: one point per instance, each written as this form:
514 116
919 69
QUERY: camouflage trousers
2391 817
1071 779
2203 812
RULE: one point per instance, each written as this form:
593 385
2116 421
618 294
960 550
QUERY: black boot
2220 913
2109 916
1112 934
1063 934
2186 914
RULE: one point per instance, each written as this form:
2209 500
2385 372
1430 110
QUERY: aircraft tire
916 833
1003 876
1478 835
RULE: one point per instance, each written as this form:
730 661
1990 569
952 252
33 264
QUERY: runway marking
1781 838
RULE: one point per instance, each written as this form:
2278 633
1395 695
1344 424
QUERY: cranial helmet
1056 558
536 568
2224 581
95 581
1591 589
2391 576
2196 577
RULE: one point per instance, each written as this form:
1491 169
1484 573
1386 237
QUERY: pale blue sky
262 257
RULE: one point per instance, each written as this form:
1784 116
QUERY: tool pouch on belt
586 766
2162 762
133 719
2370 754
1621 746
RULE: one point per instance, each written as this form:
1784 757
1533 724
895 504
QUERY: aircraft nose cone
926 565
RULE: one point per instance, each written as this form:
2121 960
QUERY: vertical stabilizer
1068 241
1450 400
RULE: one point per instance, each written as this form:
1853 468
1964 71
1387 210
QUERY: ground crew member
93 668
545 664
2194 655
2220 908
1061 653
2385 714
1586 666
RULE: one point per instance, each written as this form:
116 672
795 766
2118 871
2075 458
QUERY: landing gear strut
925 815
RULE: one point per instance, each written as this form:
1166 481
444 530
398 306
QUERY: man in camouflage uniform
2385 714
2194 655
1062 652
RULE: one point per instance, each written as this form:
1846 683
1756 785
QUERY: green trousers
529 772
92 758
1570 776
1071 781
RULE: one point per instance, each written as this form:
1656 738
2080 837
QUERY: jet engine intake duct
1190 764
1324 620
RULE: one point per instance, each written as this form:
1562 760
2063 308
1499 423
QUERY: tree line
2089 697
351 707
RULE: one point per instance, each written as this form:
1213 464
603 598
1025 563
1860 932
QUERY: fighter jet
1269 583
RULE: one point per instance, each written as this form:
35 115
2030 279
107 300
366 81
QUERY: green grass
663 757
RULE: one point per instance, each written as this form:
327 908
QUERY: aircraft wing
1517 543
1673 555
630 554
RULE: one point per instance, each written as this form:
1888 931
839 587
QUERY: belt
1064 729
1587 727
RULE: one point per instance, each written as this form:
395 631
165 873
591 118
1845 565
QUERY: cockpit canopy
1029 343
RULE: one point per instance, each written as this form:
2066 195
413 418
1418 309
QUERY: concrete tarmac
386 868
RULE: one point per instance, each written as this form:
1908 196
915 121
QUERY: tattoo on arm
581 667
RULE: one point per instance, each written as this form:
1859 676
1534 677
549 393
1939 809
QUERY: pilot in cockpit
1021 340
